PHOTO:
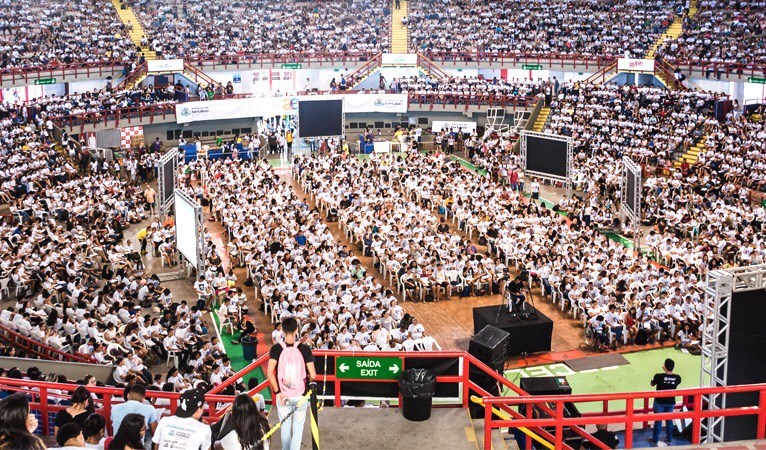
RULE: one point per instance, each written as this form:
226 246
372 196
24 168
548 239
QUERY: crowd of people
300 270
80 31
470 86
722 31
618 28
176 29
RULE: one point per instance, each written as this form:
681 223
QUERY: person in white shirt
184 430
426 344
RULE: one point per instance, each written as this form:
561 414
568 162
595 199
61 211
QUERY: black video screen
630 191
747 359
169 173
319 118
547 156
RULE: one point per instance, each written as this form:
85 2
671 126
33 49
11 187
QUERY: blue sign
237 78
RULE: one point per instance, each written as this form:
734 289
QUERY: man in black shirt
665 381
515 288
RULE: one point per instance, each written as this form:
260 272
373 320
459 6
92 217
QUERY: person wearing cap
70 437
665 381
184 429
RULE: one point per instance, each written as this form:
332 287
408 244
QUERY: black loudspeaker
489 345
553 386
485 382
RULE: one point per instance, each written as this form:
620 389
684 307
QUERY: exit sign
292 66
532 67
370 368
45 81
756 80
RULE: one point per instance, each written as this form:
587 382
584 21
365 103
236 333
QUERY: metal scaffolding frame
719 288
567 180
631 213
165 199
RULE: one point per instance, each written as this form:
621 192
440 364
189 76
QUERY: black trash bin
249 347
417 387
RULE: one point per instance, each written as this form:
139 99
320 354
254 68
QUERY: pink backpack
292 371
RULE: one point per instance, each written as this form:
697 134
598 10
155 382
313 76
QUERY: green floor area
238 362
633 377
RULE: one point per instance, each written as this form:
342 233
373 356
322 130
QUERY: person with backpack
290 364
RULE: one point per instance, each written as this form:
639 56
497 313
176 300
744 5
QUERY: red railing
269 60
600 76
166 111
41 350
550 428
133 78
552 61
27 75
431 68
668 73
438 102
363 71
709 69
628 417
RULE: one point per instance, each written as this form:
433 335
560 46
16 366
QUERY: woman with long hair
93 431
82 407
130 434
17 424
249 427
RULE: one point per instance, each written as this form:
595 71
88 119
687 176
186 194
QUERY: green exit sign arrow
370 368
292 66
756 80
45 81
531 67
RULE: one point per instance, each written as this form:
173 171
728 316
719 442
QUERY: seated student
599 329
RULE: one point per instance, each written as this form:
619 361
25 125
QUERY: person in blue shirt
135 405
300 238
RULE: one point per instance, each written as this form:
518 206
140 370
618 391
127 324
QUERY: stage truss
630 212
567 180
719 288
166 198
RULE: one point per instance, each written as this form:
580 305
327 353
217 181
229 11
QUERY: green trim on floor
633 377
468 165
238 362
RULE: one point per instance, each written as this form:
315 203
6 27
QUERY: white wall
79 87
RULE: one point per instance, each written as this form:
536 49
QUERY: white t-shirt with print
176 433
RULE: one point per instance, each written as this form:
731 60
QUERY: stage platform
528 336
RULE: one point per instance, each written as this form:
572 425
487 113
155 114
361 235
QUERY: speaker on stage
489 345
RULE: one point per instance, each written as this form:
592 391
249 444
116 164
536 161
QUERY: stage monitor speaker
553 386
489 345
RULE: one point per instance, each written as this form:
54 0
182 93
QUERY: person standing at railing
290 370
665 381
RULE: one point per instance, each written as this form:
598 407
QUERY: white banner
284 106
399 59
635 65
165 65
465 127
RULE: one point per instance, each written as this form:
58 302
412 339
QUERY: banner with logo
441 125
165 65
635 65
280 106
